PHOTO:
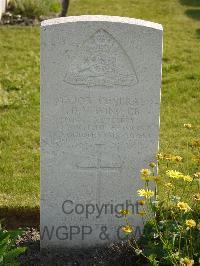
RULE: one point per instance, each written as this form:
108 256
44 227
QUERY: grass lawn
20 90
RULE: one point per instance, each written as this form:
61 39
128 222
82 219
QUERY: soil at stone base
120 254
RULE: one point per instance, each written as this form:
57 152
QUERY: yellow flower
173 158
183 206
141 202
145 193
198 226
187 178
168 157
187 126
169 185
142 213
159 156
191 223
197 174
174 174
177 158
152 164
196 143
145 172
124 212
186 262
127 229
196 196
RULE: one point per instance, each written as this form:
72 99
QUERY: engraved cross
99 166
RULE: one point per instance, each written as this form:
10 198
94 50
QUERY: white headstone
2 7
100 99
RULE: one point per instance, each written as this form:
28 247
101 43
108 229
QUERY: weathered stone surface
100 98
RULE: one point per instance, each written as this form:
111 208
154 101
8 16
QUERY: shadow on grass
13 218
193 13
198 32
190 2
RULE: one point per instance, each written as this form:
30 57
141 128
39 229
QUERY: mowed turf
20 90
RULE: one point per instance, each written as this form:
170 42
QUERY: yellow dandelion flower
188 126
174 174
169 185
187 178
145 193
127 229
145 172
186 262
124 212
183 206
152 165
141 202
160 156
191 223
196 196
142 213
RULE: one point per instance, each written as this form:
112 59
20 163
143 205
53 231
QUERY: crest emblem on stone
101 61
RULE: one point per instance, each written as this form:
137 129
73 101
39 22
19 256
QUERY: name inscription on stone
94 118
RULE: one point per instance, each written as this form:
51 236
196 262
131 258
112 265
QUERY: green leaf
12 254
